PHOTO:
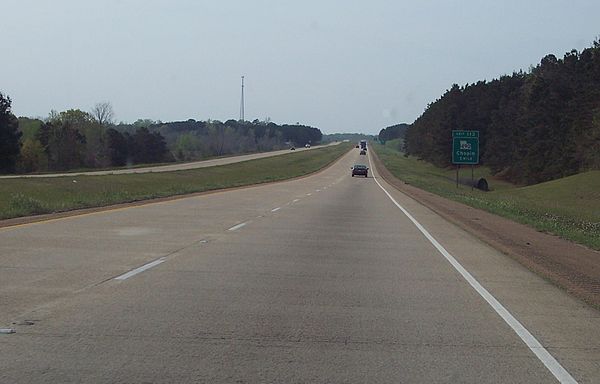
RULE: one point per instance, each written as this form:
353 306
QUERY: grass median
32 196
567 207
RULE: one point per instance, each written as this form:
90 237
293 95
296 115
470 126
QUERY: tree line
534 126
191 139
392 132
75 139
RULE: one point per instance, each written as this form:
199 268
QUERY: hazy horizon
338 66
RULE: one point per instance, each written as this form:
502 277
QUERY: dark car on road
363 152
360 169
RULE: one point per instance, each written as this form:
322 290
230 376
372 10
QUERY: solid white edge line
559 372
275 209
238 226
141 269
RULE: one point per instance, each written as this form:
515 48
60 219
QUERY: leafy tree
146 123
148 147
29 127
189 146
95 149
63 144
33 157
9 136
75 117
116 147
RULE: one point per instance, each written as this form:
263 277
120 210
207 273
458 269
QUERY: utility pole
242 102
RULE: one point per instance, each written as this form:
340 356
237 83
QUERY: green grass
31 196
395 144
568 207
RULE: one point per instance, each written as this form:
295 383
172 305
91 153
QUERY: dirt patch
570 266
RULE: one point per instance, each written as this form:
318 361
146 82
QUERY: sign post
465 150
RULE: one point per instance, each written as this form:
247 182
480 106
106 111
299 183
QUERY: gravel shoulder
570 266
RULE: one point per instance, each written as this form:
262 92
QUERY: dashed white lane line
154 263
317 190
238 226
141 269
559 372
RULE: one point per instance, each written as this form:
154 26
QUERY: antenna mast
242 102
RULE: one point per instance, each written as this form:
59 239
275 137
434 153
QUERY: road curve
173 167
321 279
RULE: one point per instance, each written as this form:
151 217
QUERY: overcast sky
342 66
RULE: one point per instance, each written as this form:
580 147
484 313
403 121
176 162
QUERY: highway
324 279
172 167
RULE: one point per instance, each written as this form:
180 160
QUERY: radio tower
242 102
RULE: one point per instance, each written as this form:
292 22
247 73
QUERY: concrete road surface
318 280
174 167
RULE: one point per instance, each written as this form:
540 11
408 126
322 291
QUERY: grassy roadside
31 196
568 207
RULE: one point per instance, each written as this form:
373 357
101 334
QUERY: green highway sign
465 147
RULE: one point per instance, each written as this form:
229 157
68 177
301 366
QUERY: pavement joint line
559 372
237 226
275 209
141 269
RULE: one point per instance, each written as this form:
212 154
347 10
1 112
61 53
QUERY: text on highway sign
465 147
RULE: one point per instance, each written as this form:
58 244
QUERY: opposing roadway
323 279
171 167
